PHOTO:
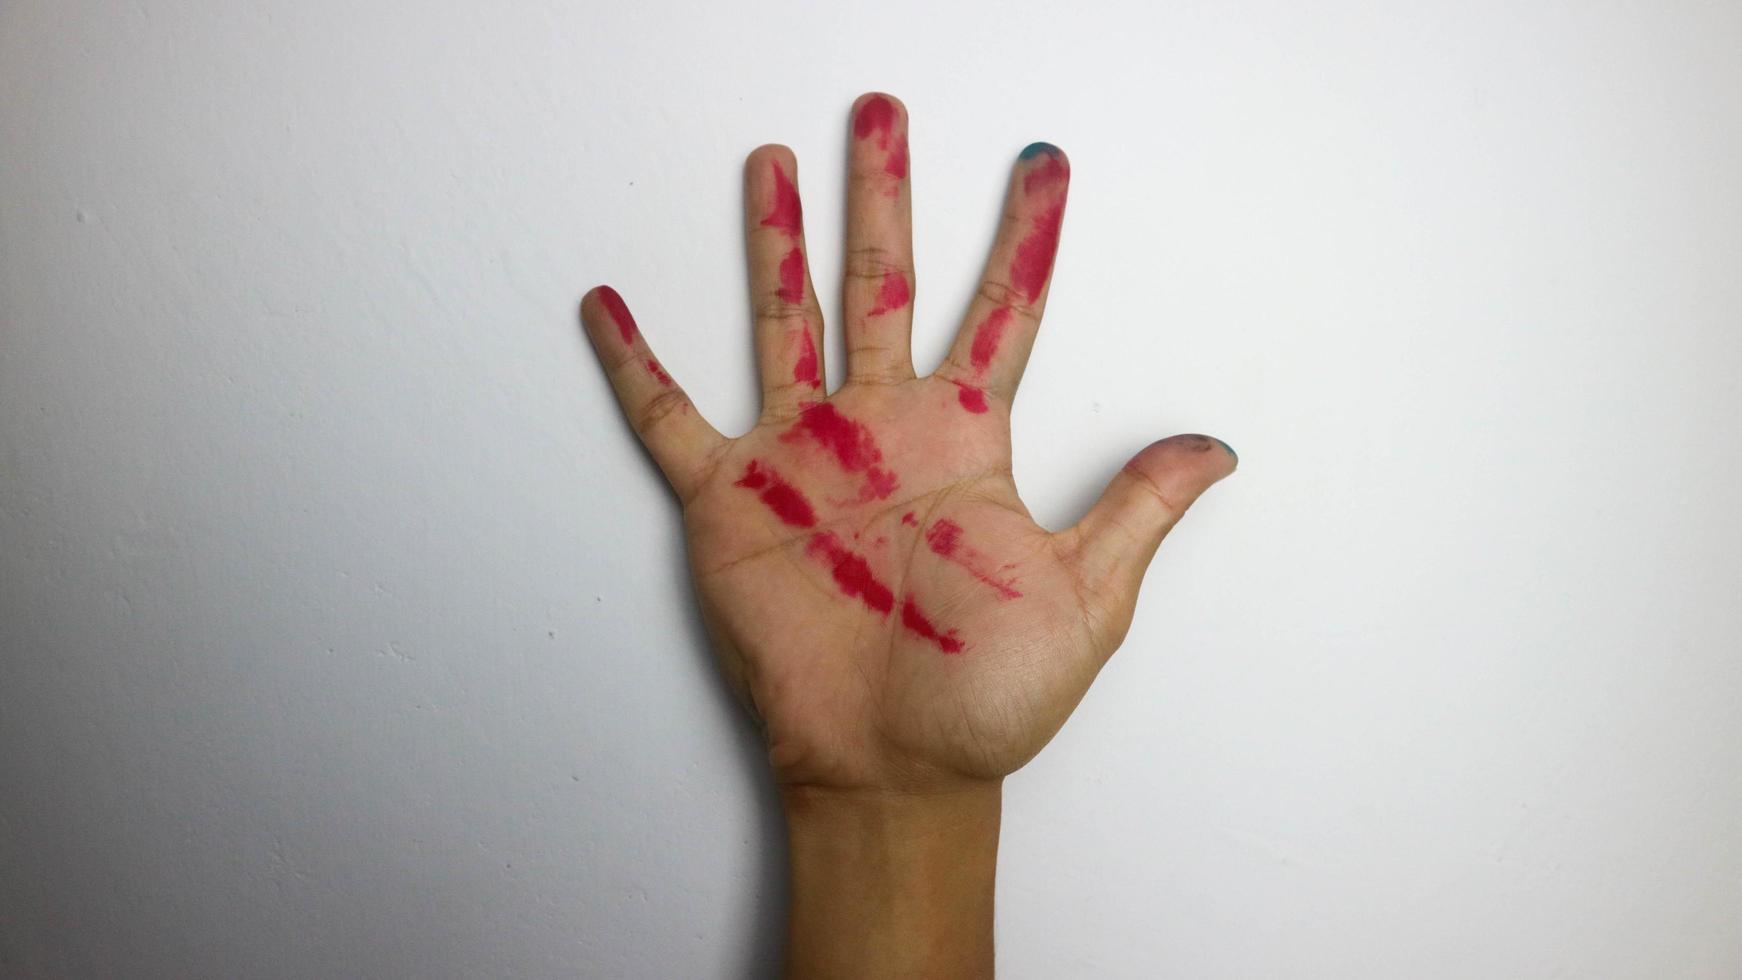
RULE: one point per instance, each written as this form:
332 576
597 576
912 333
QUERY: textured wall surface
344 627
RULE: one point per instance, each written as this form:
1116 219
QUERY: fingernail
1033 150
1230 450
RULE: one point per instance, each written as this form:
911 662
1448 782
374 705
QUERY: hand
874 585
875 588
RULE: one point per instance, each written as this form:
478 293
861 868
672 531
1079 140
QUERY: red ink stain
852 574
1045 175
792 277
619 313
1034 254
787 502
877 118
787 214
913 619
849 442
804 370
654 369
973 399
945 539
893 294
987 336
879 483
897 163
907 518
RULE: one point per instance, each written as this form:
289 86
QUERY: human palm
875 588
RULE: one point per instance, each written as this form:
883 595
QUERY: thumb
1113 544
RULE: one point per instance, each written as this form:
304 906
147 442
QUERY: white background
345 628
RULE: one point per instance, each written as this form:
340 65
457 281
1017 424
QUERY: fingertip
877 108
1033 150
590 298
602 305
759 158
1191 454
1044 170
771 190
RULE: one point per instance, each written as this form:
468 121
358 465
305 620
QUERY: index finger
680 441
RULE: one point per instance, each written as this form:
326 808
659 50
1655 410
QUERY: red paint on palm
973 399
849 442
1034 254
879 483
944 538
805 369
908 518
914 619
615 306
786 214
787 501
893 294
852 574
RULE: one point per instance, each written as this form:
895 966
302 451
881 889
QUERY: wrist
889 883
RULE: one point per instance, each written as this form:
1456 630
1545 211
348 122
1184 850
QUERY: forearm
887 884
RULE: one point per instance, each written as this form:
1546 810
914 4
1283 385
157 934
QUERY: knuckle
619 363
659 410
772 308
873 262
1000 293
1171 510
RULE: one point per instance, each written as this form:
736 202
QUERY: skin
890 747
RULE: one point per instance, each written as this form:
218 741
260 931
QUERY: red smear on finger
987 336
658 372
973 399
851 444
892 295
945 540
1034 254
897 163
907 518
876 116
804 370
619 313
853 575
792 277
787 501
787 214
914 619
1045 175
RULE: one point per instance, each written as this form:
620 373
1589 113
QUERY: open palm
875 587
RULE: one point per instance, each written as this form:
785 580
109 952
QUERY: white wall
344 627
